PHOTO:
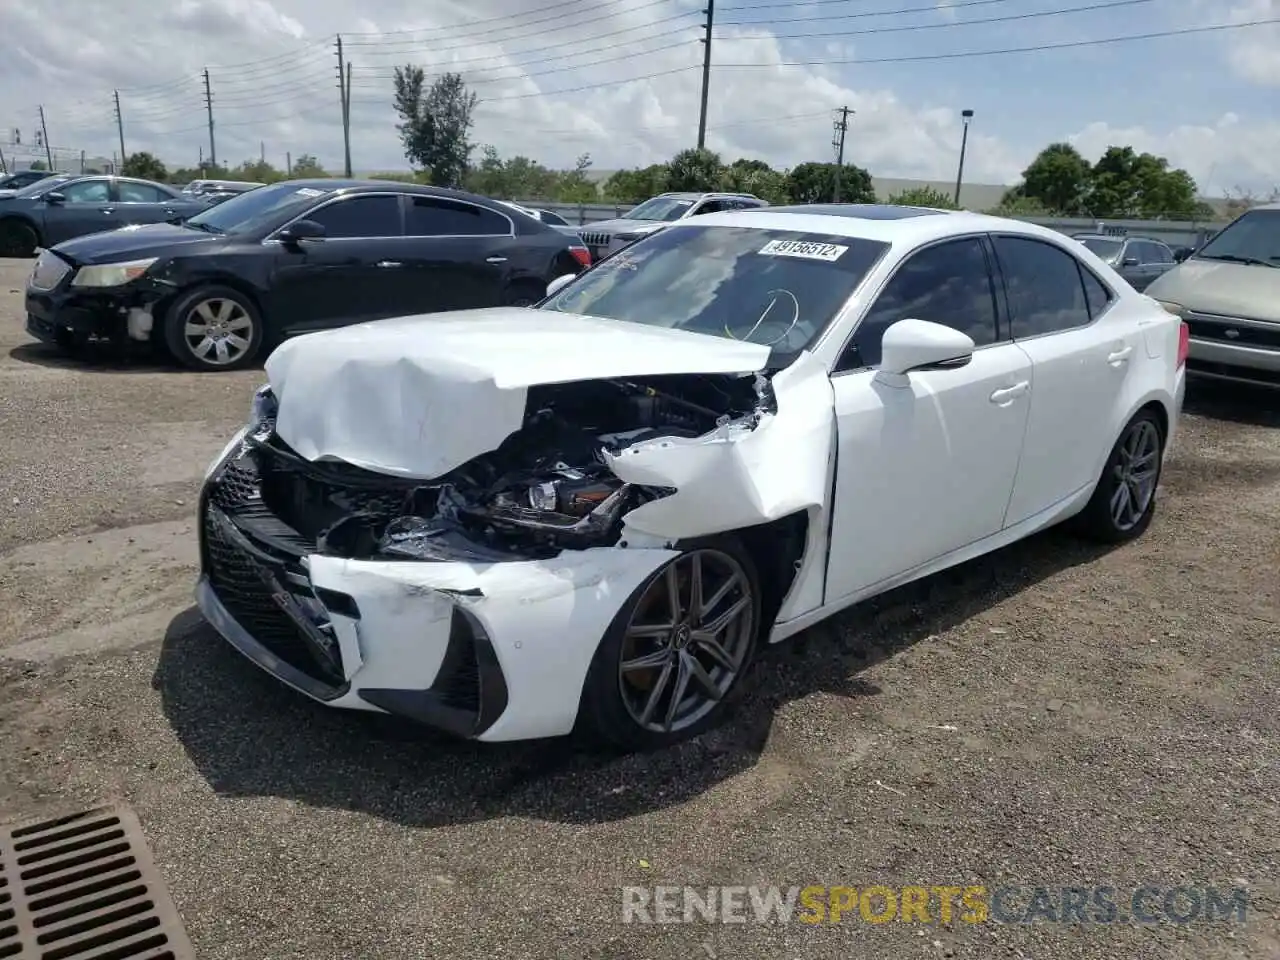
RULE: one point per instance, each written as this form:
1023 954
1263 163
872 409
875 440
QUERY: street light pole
965 117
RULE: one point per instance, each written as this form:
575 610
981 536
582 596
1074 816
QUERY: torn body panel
475 600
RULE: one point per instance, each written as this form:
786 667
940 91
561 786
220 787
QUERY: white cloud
529 69
1223 157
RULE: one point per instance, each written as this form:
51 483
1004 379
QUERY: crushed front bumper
108 312
492 651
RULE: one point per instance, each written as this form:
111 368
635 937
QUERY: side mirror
54 198
1182 253
559 283
301 230
920 345
1129 262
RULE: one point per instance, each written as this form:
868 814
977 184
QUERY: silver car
610 236
1138 259
1228 292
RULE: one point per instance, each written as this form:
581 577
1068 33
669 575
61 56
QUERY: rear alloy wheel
213 328
17 239
1124 502
675 655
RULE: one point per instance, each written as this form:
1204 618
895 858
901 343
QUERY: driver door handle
106 210
1119 356
387 264
1007 395
495 260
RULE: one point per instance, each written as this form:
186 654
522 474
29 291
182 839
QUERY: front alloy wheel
214 328
676 654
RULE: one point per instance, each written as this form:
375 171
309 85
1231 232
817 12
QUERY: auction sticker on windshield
806 249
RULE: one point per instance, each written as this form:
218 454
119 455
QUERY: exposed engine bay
546 488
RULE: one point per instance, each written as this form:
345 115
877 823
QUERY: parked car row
215 284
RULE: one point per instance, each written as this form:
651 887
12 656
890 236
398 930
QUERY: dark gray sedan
1138 259
51 211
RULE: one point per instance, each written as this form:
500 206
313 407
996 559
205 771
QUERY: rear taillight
1184 344
582 255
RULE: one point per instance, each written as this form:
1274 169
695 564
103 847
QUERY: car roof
911 228
1118 238
335 184
687 195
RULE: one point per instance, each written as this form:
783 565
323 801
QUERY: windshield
40 186
255 209
779 288
660 208
1106 249
1253 238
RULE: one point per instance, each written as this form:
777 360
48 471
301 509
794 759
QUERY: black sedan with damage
291 258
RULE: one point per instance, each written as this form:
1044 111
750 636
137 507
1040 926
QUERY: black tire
18 239
203 306
1099 520
608 712
523 293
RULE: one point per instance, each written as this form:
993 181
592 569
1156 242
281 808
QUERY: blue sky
1208 101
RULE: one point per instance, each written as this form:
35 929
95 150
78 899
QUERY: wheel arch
26 221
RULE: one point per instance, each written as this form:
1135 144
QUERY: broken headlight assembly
111 274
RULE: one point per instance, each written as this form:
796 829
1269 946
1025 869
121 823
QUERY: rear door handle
1120 356
106 210
387 264
495 260
1007 395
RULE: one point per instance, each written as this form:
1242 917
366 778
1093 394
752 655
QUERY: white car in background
549 217
509 525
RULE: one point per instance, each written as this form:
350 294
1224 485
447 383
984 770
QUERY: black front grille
243 585
236 485
1243 335
596 239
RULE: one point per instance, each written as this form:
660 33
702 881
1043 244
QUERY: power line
930 8
1097 42
435 31
1007 18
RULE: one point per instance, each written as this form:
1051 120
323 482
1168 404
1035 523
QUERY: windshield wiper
1233 258
206 227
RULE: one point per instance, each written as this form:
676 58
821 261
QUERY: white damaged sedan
511 523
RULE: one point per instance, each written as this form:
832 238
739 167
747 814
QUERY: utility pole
208 103
288 165
344 99
81 161
200 165
706 73
262 152
44 133
4 168
120 124
841 128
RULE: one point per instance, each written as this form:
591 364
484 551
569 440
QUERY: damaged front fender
739 475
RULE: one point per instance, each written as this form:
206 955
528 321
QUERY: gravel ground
1053 715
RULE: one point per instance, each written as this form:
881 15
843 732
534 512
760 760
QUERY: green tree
257 171
38 165
636 186
1015 203
1125 184
575 186
755 177
307 167
923 197
144 165
816 183
694 170
1059 178
435 123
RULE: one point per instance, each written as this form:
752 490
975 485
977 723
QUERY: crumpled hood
1242 290
420 396
621 225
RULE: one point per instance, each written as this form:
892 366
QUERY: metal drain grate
82 887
